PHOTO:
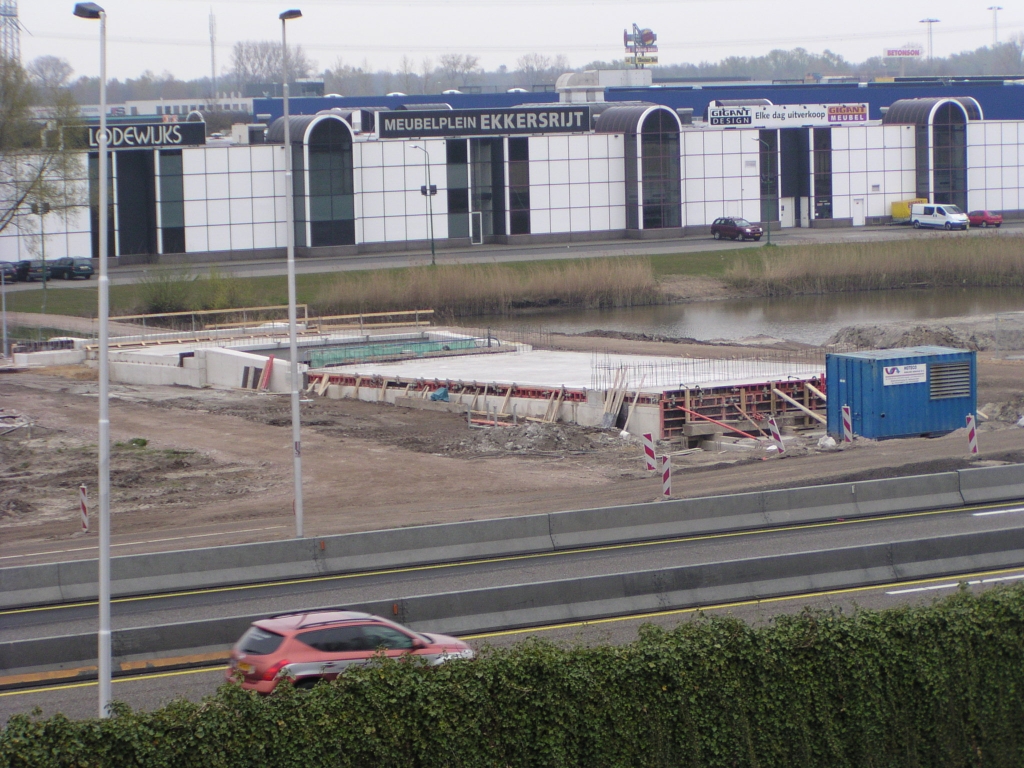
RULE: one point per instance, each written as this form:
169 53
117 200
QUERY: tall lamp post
768 224
293 345
995 23
428 192
930 22
93 11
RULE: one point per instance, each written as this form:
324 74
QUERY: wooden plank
808 411
508 396
816 392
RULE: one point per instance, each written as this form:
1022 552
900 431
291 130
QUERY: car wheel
984 225
307 684
948 226
917 225
87 277
757 238
998 225
67 275
716 235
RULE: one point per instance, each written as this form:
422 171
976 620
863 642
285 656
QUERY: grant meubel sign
150 135
412 124
788 115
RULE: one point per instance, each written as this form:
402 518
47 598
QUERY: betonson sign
787 115
413 124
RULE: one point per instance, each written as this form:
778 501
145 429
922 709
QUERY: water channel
807 319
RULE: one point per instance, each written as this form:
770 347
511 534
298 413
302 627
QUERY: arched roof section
300 127
630 119
922 111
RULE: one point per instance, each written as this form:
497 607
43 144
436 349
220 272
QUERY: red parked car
735 228
984 219
308 647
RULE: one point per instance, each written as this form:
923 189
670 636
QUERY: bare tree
407 74
457 68
50 72
426 72
40 161
259 61
531 68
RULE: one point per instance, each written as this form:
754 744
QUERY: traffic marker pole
666 477
972 435
85 508
847 425
649 457
776 435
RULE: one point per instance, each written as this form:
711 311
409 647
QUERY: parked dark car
985 219
32 270
9 272
735 229
69 268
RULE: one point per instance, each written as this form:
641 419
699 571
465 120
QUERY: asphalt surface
302 594
494 254
79 700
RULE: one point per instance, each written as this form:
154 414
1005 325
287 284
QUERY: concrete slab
578 370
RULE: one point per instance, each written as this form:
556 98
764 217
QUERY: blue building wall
998 100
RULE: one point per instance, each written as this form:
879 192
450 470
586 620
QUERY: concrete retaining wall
582 599
50 357
54 583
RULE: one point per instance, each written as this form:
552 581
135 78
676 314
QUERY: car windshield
259 641
952 209
83 262
742 223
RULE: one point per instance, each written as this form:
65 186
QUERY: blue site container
901 392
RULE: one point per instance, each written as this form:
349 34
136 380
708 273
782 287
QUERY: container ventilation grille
949 380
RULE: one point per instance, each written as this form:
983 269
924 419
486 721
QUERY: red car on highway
308 647
984 219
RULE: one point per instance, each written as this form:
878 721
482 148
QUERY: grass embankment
978 262
936 686
470 290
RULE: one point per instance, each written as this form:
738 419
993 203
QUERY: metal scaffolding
10 31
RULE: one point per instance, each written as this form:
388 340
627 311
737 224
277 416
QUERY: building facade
546 172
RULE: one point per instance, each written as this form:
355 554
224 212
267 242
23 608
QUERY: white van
943 215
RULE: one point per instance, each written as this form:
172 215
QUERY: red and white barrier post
847 425
972 434
649 457
85 508
776 435
666 477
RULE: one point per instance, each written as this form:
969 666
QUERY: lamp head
88 10
294 13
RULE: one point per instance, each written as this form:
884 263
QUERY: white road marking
998 512
954 585
140 543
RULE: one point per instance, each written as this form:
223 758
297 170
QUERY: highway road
149 691
496 254
347 589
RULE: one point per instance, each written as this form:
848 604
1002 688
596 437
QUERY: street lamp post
93 11
293 345
428 192
768 223
40 210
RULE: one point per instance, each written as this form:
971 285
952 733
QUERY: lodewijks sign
414 124
788 115
150 135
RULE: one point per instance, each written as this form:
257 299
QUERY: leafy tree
40 161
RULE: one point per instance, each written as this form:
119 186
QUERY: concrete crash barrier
278 560
985 484
583 599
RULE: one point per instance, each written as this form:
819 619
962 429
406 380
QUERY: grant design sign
150 135
788 115
412 124
894 375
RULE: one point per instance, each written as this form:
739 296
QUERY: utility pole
995 23
213 61
930 22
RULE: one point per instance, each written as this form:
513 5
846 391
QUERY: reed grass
469 290
940 261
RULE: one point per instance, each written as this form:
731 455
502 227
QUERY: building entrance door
787 212
858 212
487 187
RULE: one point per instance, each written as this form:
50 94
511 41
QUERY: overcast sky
173 35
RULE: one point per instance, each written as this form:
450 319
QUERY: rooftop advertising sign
787 115
909 52
150 135
413 124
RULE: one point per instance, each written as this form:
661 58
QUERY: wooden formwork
741 408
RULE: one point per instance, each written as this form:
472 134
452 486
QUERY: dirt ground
205 467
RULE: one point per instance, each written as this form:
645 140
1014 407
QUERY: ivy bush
930 687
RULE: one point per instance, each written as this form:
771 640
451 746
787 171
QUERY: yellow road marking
510 558
573 624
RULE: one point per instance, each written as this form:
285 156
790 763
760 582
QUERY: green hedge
929 687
